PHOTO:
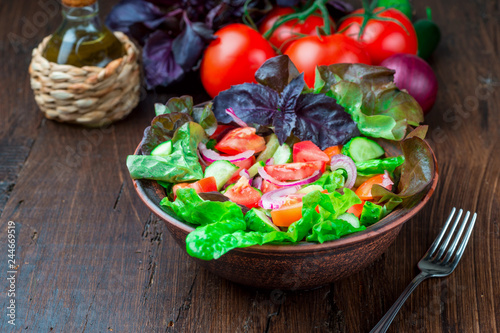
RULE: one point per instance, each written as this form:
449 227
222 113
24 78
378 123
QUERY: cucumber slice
351 219
283 154
222 171
257 220
271 146
310 188
163 149
253 170
361 149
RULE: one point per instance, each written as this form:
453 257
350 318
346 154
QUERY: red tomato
244 194
245 164
364 191
240 140
220 131
268 186
203 185
357 209
382 38
286 33
294 171
233 58
308 52
333 150
307 151
286 215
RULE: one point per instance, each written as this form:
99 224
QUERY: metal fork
437 262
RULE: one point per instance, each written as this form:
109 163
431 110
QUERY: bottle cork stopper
78 3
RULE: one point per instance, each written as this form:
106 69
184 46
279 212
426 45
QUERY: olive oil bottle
81 39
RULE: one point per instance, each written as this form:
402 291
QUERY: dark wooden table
92 258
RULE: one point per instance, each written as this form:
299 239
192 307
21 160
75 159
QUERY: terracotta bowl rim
377 229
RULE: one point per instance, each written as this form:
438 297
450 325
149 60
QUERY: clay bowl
293 267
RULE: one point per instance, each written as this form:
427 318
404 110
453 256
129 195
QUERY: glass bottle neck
86 13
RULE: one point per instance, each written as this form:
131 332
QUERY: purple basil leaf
129 12
189 45
284 120
277 72
287 3
159 62
338 9
252 103
324 122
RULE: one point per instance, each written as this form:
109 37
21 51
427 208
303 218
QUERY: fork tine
451 250
443 246
434 245
462 246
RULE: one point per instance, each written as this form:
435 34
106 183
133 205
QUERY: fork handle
386 320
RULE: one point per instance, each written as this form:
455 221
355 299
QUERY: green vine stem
308 11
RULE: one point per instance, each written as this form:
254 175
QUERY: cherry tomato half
308 52
233 58
240 140
382 38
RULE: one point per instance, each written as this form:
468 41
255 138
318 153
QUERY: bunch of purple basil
174 34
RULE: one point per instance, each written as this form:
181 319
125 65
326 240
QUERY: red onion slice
387 181
340 161
270 161
275 199
244 173
211 156
237 120
257 182
315 176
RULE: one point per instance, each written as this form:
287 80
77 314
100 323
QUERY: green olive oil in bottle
81 39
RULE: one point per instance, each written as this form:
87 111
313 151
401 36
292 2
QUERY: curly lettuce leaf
162 129
417 173
184 104
180 166
370 96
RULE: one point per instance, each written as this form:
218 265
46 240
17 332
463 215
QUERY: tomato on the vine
286 33
382 37
309 52
233 58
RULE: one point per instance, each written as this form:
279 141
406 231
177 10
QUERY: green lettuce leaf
370 96
180 166
378 166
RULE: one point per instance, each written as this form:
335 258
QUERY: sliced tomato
332 151
294 171
357 209
364 191
307 151
244 194
203 185
240 140
286 215
245 164
268 186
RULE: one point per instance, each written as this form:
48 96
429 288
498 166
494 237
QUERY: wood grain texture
94 259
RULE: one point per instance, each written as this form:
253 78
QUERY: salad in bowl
281 163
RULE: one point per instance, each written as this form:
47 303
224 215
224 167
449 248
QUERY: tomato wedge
332 151
364 191
307 151
286 215
244 194
357 209
240 140
268 186
203 185
294 171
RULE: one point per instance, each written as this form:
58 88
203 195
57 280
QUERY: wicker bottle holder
91 96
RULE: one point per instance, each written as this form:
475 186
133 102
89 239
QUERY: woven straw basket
91 96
